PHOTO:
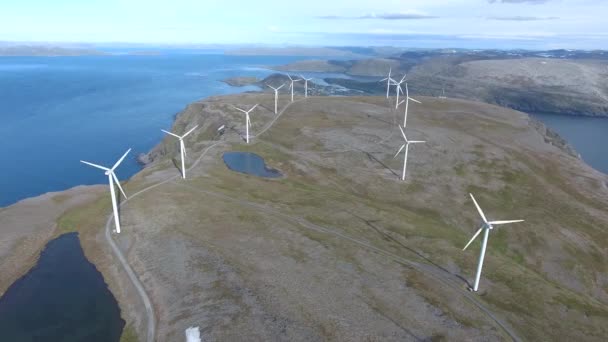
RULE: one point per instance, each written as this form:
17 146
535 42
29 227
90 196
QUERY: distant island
46 51
293 51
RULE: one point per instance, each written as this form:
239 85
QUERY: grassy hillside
341 249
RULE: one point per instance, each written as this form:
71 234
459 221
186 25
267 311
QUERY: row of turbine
390 81
486 225
114 180
112 176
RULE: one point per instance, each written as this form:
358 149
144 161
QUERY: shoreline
96 250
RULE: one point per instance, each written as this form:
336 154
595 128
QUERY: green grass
91 215
129 334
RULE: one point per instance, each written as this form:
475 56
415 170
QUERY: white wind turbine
291 85
398 90
407 147
112 178
407 104
305 85
182 148
276 96
388 82
486 227
247 120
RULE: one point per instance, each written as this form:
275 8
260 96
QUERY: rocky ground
241 81
341 249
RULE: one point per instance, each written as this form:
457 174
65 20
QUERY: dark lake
249 163
62 298
588 135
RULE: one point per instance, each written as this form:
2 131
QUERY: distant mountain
556 81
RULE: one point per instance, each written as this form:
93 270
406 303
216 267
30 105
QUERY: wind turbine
276 96
247 120
305 85
182 148
291 86
407 104
388 81
486 227
112 177
399 90
407 147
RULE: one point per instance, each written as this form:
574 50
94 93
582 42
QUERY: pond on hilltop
249 163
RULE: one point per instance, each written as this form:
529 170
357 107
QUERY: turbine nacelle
276 89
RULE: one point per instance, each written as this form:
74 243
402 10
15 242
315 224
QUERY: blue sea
588 136
55 111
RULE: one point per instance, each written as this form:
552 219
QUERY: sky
532 24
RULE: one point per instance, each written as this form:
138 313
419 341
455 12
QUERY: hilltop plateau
340 248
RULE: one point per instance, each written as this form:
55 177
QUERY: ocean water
62 298
55 111
588 135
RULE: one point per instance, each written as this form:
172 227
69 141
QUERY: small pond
249 163
62 298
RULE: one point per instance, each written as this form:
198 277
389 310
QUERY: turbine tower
291 85
486 227
388 82
276 96
407 104
305 85
247 120
182 148
407 147
112 178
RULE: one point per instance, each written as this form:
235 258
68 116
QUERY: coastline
92 238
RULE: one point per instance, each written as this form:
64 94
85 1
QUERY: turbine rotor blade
118 183
401 149
416 142
239 109
190 131
95 165
175 135
282 85
479 209
504 222
415 100
473 238
403 133
252 108
120 160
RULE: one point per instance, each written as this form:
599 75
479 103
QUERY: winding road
151 326
433 271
